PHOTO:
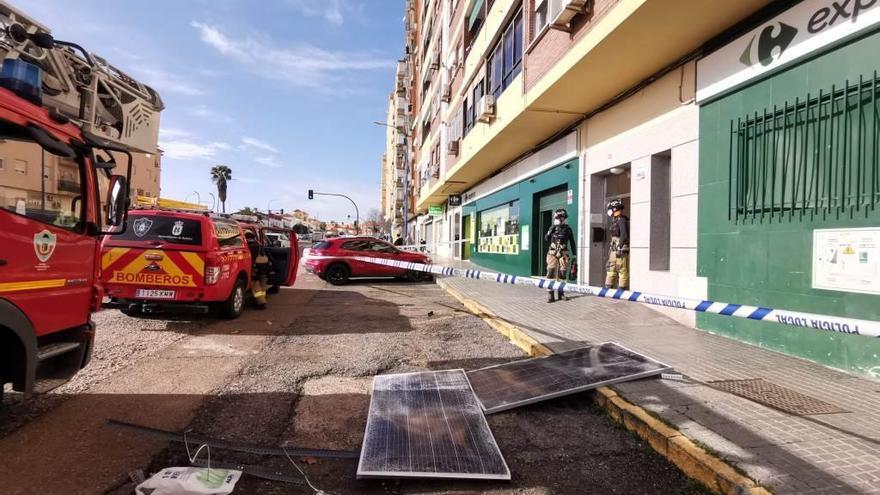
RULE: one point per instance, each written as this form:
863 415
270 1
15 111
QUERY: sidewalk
788 453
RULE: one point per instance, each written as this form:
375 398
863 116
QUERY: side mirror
117 200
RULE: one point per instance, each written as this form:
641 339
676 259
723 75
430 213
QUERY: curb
693 460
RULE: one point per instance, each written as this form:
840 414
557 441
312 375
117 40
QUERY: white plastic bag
190 481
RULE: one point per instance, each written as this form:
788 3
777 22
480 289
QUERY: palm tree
221 174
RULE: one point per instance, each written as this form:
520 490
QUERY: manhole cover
777 397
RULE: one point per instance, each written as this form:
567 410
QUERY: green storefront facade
782 156
506 225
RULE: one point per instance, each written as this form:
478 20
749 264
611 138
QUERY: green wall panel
769 262
566 174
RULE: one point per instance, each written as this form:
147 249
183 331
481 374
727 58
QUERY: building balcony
70 186
632 41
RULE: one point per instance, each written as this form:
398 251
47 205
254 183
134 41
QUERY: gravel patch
120 342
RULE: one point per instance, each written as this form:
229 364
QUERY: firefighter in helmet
617 275
261 270
560 236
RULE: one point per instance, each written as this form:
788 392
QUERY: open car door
283 251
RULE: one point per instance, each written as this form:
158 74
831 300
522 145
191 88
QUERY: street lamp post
406 137
198 197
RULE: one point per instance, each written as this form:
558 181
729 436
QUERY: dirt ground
300 374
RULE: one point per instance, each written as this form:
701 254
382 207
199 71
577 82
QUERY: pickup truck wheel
337 274
233 306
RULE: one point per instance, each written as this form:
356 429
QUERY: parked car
184 261
333 260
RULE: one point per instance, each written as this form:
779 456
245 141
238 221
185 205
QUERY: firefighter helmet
616 205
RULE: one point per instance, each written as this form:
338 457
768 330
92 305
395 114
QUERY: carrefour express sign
792 35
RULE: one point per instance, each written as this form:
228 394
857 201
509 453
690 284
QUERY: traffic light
311 194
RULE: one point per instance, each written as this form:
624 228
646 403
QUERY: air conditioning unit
486 109
452 147
446 94
568 9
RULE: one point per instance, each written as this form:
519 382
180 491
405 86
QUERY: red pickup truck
187 261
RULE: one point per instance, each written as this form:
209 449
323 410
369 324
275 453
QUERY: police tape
759 313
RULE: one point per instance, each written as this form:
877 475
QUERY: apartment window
2 163
505 63
466 113
661 206
21 166
814 155
471 112
545 12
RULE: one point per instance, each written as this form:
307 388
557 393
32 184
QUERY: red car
333 260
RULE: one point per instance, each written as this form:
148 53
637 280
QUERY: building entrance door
545 204
467 234
612 186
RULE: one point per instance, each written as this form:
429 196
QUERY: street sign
435 210
454 200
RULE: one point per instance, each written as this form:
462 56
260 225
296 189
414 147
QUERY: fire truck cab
50 241
67 117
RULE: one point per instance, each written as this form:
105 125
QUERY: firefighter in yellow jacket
261 270
617 275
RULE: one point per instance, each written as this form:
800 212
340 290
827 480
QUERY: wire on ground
759 313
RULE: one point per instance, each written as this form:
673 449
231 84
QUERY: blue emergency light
23 79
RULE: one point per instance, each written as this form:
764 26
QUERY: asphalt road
300 373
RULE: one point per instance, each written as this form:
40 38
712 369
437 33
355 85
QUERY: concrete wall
660 118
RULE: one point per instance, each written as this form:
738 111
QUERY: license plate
154 294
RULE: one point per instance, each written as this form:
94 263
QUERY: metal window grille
816 156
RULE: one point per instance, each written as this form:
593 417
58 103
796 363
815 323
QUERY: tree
247 210
323 226
220 175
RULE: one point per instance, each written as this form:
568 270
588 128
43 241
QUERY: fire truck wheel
233 306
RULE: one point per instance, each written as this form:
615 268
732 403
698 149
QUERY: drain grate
777 397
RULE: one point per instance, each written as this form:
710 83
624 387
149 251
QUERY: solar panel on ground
515 384
428 425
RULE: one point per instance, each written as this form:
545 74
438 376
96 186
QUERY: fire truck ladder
82 86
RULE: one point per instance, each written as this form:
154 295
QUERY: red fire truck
66 118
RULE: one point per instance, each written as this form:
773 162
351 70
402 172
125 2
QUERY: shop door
467 233
545 204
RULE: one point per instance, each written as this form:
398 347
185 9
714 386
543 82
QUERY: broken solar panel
515 384
428 425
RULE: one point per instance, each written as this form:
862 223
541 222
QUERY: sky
284 92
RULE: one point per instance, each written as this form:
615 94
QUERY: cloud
304 65
165 81
183 147
208 113
172 133
247 180
268 161
250 142
333 11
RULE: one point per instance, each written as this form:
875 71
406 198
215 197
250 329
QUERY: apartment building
525 106
33 179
